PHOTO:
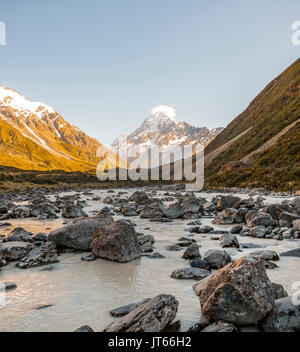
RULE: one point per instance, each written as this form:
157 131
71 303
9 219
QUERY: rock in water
258 218
84 328
153 316
191 252
12 251
228 241
217 258
285 317
226 202
42 255
124 310
79 235
72 211
117 241
190 274
221 326
241 293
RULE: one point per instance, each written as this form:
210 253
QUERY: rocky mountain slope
33 136
161 131
261 147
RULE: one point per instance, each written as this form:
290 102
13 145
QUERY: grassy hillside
276 107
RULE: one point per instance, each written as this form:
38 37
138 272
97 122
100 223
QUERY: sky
104 64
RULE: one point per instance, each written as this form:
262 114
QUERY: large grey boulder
287 219
241 293
79 235
285 317
191 252
258 218
12 251
19 235
174 211
117 241
41 255
228 241
225 217
72 211
221 326
291 253
153 316
44 210
226 202
257 232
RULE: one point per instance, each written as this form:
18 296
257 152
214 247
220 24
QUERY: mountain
160 130
261 147
33 136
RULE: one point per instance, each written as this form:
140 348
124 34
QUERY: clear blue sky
103 64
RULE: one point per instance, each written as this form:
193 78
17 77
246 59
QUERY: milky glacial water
83 293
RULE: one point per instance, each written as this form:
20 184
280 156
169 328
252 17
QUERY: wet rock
40 237
228 241
235 230
72 211
241 293
79 235
225 217
239 216
146 240
190 274
266 254
199 263
200 229
19 235
274 210
174 248
107 200
221 326
44 210
285 317
154 255
257 231
21 211
226 202
42 255
191 252
89 258
287 219
217 258
124 310
255 218
279 291
117 241
84 328
12 251
9 286
174 211
291 253
153 316
5 224
160 219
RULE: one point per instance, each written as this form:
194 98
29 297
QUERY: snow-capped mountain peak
161 117
13 99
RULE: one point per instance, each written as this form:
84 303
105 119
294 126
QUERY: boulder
257 218
285 317
221 326
124 310
225 217
12 251
237 229
226 202
199 263
241 293
279 291
291 253
287 219
71 211
44 210
21 211
84 328
190 274
239 216
191 252
257 231
79 235
228 241
153 316
19 235
41 255
217 258
265 254
174 211
117 241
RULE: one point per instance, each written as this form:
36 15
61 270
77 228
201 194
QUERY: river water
83 293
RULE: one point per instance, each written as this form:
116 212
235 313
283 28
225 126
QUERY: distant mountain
34 136
160 130
261 147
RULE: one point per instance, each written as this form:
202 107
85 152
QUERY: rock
235 230
146 240
40 237
199 286
251 245
200 229
274 210
89 258
107 200
226 202
5 224
12 251
174 248
117 241
78 235
44 210
191 252
287 219
190 274
154 255
291 253
174 211
221 326
19 235
9 286
225 217
255 218
285 317
265 254
199 263
21 211
124 310
72 211
279 291
42 255
241 293
228 241
239 216
84 328
257 231
217 258
153 316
